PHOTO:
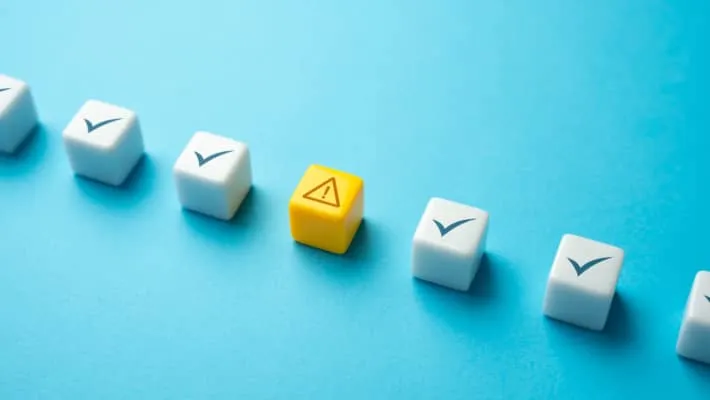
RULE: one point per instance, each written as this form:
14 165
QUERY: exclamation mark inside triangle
325 193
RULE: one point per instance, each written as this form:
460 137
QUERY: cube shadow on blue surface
29 156
357 263
696 368
487 303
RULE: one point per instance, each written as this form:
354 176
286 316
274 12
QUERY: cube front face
580 307
326 209
213 175
449 243
582 282
694 335
18 115
103 142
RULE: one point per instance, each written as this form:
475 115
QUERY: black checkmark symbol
443 230
204 160
92 127
584 268
4 89
708 298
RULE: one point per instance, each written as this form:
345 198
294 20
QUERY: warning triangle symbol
325 193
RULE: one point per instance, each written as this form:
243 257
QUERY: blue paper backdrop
556 116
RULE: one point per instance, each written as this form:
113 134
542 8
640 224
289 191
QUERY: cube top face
698 308
10 90
454 226
327 192
587 264
211 157
99 124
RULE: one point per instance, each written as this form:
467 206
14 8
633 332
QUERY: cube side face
694 341
588 265
239 183
576 306
442 266
326 209
698 304
18 115
481 247
353 219
694 336
128 152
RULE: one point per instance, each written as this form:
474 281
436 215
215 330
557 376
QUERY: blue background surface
555 116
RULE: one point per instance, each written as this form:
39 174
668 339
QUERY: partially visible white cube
18 115
103 142
582 282
449 243
694 336
213 175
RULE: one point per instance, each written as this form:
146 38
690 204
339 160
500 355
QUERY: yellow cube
326 209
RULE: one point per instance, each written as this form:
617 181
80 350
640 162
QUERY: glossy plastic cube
103 142
448 244
213 175
582 282
326 209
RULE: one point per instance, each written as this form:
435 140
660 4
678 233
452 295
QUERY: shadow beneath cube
486 304
697 370
486 281
132 192
361 243
245 220
619 326
618 331
28 157
361 257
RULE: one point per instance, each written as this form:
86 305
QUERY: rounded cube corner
702 275
93 102
293 207
435 201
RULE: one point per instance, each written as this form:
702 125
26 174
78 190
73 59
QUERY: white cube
18 115
582 282
213 175
103 142
694 336
449 243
